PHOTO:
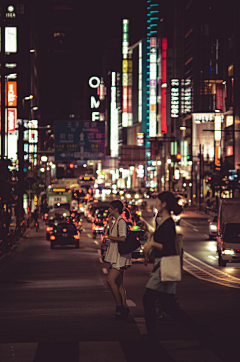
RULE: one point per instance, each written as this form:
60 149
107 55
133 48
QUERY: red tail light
76 236
64 230
52 237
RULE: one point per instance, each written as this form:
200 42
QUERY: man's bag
130 244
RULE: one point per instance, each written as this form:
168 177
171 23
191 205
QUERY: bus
58 193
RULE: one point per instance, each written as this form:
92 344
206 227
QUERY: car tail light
46 215
49 228
76 236
64 230
52 237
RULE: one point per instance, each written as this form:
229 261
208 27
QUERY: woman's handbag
170 268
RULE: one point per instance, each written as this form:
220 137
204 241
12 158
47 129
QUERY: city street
56 303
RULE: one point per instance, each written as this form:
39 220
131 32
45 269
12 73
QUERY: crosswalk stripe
105 271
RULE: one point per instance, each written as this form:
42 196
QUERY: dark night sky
96 22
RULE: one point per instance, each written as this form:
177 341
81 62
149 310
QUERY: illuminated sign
59 190
125 75
10 39
164 80
175 101
217 128
140 139
229 121
12 119
140 82
33 133
186 96
11 94
153 88
114 118
203 117
95 83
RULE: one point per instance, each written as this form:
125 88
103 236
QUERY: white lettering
94 103
92 81
95 116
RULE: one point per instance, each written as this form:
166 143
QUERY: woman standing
119 263
161 244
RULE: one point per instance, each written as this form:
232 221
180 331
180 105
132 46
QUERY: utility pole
21 172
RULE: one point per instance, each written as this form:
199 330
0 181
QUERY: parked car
213 228
64 233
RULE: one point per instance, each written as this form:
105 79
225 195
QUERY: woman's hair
171 201
117 204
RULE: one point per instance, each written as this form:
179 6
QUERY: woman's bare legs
114 285
121 289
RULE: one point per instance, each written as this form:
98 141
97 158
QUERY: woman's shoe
118 313
125 313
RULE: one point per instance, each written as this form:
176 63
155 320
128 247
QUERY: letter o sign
94 82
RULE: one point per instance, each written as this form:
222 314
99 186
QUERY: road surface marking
195 229
105 271
208 273
96 242
99 251
140 322
100 259
89 235
130 303
83 230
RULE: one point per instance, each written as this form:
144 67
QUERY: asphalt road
55 305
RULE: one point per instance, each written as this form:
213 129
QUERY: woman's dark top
165 235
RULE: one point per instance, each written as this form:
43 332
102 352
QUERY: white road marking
99 251
89 235
130 303
105 271
140 322
84 230
96 242
195 229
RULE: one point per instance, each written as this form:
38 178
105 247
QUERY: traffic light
176 158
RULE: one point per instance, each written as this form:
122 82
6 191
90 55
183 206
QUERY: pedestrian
118 263
162 243
35 216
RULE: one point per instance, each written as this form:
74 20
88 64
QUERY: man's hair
117 204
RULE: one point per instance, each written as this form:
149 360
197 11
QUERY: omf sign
95 83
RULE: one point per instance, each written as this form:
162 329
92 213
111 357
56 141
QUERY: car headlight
213 227
228 252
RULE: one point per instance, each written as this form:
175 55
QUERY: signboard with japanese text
79 140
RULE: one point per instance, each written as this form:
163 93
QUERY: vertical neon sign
153 88
114 118
164 80
125 94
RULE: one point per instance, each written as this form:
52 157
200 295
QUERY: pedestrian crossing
107 351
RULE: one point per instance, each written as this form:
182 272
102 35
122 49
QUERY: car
93 207
58 213
142 237
64 233
62 205
98 224
213 228
135 212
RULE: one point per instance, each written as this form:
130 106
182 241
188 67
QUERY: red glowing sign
164 79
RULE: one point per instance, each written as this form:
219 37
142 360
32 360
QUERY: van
228 231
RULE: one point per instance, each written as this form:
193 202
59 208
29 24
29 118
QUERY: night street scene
119 181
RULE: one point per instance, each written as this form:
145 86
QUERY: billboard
79 140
